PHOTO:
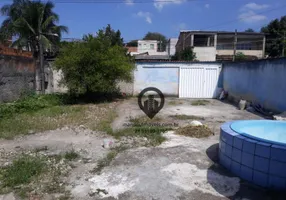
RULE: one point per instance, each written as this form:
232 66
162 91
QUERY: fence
261 81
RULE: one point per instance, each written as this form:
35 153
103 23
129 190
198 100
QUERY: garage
199 80
180 79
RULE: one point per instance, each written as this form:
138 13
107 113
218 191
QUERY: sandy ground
180 168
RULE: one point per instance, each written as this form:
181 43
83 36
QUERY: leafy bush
95 65
187 54
240 56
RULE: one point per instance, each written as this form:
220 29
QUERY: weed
30 104
173 103
71 155
22 170
186 117
41 120
105 124
195 131
105 161
200 102
143 120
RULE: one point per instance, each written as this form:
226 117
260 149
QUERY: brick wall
17 75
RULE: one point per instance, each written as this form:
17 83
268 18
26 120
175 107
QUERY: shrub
95 65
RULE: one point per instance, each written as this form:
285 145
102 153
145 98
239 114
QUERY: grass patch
36 113
186 117
153 134
200 102
173 103
195 131
143 120
151 129
22 171
33 173
71 155
105 124
29 104
41 120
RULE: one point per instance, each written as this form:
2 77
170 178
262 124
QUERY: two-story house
220 45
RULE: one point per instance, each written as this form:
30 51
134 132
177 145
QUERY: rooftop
220 32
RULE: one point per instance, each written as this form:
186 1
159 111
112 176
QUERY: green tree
132 43
249 30
162 40
275 37
187 54
35 26
95 65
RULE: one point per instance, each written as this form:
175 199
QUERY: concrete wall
171 46
205 53
164 76
17 75
262 82
145 46
257 53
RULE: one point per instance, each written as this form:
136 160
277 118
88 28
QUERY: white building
171 46
150 46
219 45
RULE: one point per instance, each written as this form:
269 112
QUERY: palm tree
34 24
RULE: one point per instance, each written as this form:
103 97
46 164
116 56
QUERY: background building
219 45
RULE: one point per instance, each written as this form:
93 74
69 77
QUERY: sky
168 17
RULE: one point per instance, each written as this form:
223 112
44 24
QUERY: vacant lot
141 163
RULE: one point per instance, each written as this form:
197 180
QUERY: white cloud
255 6
159 4
207 5
248 13
145 15
251 17
129 2
182 26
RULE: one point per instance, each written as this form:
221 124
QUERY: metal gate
199 81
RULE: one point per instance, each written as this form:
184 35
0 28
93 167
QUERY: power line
123 1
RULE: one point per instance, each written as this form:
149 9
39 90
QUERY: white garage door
198 81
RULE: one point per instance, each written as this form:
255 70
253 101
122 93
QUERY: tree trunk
42 69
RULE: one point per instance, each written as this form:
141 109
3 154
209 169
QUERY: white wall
205 53
145 46
257 53
163 76
171 46
261 81
57 87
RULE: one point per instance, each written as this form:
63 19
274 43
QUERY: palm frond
48 21
20 42
46 42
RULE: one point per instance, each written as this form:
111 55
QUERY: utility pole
234 45
42 69
284 41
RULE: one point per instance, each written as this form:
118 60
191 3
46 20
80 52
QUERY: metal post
234 45
263 47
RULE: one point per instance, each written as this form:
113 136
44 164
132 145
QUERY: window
152 46
244 46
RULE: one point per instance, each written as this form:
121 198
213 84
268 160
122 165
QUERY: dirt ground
180 168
